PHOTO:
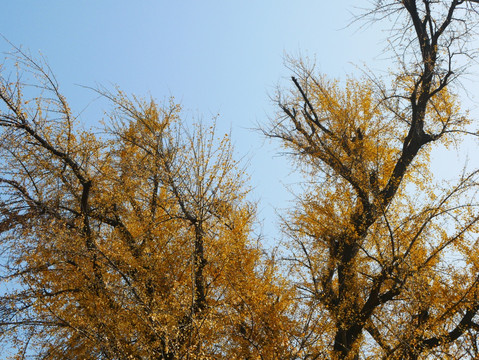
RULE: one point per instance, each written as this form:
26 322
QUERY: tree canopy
135 245
137 241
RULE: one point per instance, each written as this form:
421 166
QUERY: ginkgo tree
135 245
386 255
137 241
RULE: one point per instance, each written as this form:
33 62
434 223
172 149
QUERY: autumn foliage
137 240
135 245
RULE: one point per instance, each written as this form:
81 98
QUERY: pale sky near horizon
215 57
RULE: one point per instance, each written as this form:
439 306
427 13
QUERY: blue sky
213 56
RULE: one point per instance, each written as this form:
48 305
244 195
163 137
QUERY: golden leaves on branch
139 245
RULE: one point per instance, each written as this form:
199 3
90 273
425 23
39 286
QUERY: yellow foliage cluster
141 244
138 246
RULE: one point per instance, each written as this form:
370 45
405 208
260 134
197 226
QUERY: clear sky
214 56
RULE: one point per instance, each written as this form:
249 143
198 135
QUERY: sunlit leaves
135 245
375 244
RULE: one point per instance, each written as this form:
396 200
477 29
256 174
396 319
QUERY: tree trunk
199 262
343 345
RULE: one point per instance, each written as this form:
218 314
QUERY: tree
386 257
135 246
140 244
